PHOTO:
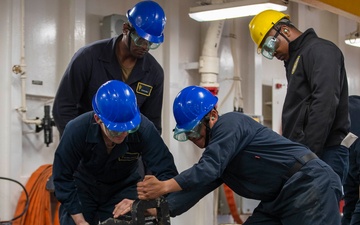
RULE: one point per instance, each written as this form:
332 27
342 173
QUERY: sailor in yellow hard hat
265 29
315 111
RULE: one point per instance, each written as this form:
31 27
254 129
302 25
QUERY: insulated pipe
209 61
20 69
209 64
238 103
238 98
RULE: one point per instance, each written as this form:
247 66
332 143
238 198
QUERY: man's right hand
149 188
152 188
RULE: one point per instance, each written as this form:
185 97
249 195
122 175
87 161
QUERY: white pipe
238 98
21 69
209 62
22 62
235 88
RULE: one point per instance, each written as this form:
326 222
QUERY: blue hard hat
190 106
148 19
115 104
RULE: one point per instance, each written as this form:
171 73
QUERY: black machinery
138 212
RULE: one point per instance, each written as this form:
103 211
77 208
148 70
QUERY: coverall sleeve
66 160
351 189
181 201
323 69
152 107
71 89
230 135
351 210
354 195
157 158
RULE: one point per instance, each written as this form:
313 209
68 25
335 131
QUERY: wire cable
27 200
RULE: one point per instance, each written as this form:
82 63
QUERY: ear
286 30
214 114
213 117
97 119
126 28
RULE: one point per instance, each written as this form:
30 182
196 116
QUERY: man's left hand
123 207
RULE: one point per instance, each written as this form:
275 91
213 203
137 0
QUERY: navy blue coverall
293 185
92 66
315 111
88 180
351 210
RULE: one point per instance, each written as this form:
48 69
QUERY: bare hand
150 188
123 207
79 219
83 223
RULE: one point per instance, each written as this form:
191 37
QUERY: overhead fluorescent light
229 10
353 38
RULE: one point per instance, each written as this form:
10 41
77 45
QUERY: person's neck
109 144
124 56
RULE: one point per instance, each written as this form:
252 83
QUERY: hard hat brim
189 127
146 36
119 127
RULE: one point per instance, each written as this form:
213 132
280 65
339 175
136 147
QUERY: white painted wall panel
55 29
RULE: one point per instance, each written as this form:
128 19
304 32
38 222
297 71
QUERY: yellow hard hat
262 23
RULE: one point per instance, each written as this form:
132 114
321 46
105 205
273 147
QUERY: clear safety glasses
270 45
113 133
184 135
140 42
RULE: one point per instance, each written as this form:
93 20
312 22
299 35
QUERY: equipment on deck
138 211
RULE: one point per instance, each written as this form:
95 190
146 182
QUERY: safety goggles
270 45
114 133
184 135
140 42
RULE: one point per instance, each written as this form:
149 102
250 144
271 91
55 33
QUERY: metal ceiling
347 8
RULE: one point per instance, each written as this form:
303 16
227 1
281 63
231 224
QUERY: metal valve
17 69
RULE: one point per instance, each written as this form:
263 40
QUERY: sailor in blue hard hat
96 162
293 186
125 58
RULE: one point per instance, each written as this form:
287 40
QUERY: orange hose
232 204
39 211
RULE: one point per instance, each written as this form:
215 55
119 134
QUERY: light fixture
354 37
239 8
